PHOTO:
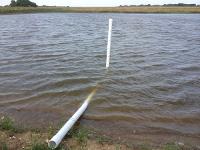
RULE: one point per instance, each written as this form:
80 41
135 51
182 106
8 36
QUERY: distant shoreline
132 9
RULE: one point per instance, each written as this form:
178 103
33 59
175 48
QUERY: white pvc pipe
55 141
109 43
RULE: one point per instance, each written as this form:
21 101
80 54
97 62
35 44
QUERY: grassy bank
13 137
158 9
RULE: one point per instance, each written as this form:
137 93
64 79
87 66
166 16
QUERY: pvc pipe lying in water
109 43
55 141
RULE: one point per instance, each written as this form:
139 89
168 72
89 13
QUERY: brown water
49 63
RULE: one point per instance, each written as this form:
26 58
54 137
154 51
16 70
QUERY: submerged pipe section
109 43
55 141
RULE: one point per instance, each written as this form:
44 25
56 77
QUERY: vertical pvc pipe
109 43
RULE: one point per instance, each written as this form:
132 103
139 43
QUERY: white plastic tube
55 141
109 43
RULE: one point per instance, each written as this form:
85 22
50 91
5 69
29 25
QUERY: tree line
22 3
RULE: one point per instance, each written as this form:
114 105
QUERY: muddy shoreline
139 136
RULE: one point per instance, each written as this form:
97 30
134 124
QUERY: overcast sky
102 2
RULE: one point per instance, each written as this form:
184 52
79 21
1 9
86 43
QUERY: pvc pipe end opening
52 144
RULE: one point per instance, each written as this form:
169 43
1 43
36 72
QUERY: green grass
51 132
153 9
6 123
80 134
171 146
39 146
3 146
118 147
145 147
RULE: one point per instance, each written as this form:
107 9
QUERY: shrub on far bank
22 3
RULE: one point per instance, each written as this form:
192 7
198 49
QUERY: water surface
49 63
